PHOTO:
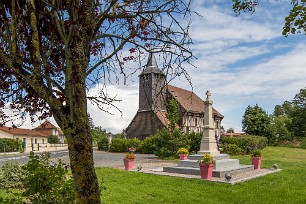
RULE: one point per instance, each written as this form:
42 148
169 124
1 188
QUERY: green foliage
100 137
122 145
193 141
255 121
232 149
47 182
53 139
10 145
103 144
172 113
246 143
168 142
118 145
11 175
298 114
230 130
278 129
148 146
256 153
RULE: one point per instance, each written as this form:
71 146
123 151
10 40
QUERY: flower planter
256 161
183 156
206 171
128 164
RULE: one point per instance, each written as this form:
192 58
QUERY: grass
287 186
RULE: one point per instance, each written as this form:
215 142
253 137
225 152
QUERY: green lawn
287 186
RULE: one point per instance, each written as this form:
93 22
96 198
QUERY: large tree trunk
82 165
74 123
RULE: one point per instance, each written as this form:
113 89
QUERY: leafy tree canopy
255 121
295 22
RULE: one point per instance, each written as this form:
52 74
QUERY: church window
195 121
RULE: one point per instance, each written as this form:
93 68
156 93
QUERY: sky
242 60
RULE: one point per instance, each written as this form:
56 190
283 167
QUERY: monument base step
216 173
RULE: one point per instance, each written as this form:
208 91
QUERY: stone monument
223 163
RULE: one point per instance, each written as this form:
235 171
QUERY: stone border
237 178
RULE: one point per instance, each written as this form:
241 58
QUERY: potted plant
207 166
183 152
256 158
129 161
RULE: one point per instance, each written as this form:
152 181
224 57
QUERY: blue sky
242 60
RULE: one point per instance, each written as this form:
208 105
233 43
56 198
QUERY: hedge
10 145
246 143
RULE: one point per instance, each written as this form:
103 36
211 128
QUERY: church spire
151 60
151 67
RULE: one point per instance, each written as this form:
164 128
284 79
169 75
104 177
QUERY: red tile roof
46 125
189 100
21 131
161 115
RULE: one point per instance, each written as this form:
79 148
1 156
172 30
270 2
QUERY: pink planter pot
206 171
183 156
256 161
128 164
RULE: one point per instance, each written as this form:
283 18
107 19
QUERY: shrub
247 143
136 143
53 139
194 141
232 149
47 182
11 175
122 145
256 153
148 146
102 144
10 145
118 145
168 142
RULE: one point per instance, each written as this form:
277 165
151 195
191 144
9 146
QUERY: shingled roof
189 100
21 131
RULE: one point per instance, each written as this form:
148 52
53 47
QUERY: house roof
21 131
161 115
46 125
189 100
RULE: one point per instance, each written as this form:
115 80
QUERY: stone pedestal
223 163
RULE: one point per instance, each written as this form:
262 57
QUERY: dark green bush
53 139
136 143
148 146
232 149
247 143
168 142
47 182
103 144
118 145
11 175
10 145
194 142
122 145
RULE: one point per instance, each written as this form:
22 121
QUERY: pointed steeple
151 60
151 66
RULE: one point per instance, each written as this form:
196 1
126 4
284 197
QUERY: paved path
101 159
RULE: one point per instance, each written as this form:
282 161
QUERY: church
154 92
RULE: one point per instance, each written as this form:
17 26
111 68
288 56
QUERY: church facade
154 94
